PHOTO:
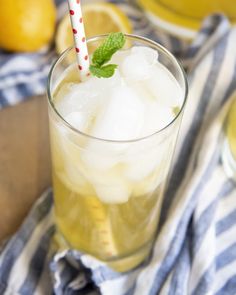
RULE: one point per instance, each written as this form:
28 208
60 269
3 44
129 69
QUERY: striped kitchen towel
195 251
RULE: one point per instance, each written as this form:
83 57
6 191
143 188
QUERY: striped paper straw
79 37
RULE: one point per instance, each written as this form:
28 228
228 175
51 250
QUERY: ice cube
73 178
99 85
159 110
113 194
79 120
122 117
100 158
140 166
86 96
135 68
147 157
137 65
110 186
75 97
164 87
71 152
62 103
66 156
56 132
149 54
157 117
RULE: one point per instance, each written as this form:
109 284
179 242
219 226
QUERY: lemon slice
97 219
102 223
99 18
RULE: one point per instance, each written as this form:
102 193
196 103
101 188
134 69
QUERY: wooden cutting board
24 160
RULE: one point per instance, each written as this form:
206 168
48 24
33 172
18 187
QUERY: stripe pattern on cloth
195 251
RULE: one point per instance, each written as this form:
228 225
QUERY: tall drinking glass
229 144
108 193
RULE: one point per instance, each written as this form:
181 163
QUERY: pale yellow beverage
112 141
231 129
229 148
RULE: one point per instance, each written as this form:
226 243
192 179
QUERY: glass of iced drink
112 141
229 145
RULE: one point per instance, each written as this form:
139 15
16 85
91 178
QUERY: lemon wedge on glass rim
99 18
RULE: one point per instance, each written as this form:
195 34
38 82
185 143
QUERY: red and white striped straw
79 37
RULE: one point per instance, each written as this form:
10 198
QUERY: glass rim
130 36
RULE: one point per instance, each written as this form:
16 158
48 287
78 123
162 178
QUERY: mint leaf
104 71
104 52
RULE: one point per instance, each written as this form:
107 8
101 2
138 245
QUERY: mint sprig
103 54
104 71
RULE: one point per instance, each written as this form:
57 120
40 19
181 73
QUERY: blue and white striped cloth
195 251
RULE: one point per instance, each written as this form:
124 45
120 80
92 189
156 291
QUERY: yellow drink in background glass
108 193
231 129
229 148
184 17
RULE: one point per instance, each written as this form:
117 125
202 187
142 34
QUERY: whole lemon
26 25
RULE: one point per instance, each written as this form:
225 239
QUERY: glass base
120 264
228 160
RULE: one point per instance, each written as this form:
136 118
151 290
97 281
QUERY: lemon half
99 18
